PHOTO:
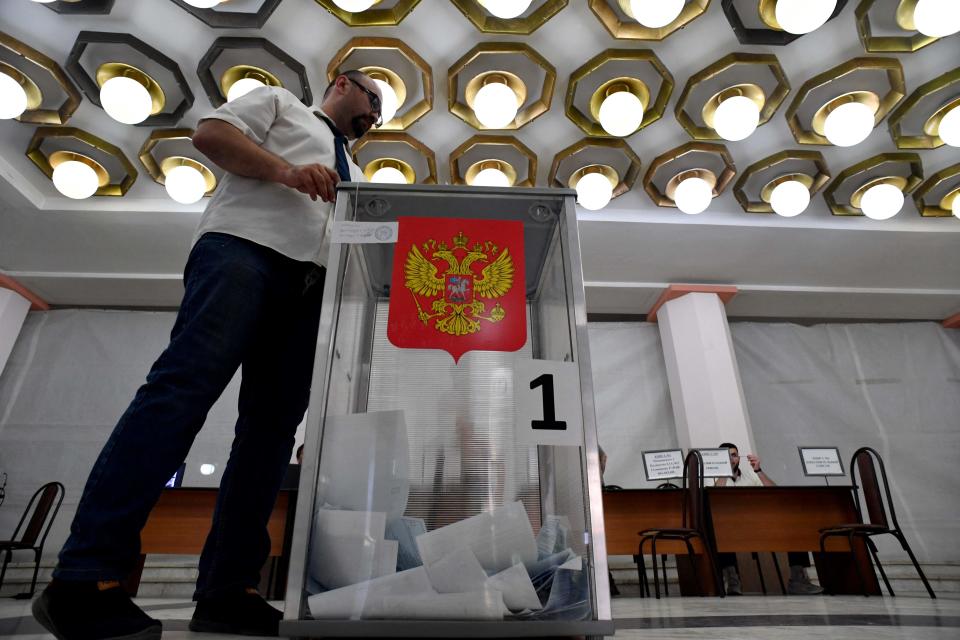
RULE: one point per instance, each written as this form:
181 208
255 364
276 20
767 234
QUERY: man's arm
764 478
720 482
232 151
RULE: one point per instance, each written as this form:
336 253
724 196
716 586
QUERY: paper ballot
486 604
517 589
353 601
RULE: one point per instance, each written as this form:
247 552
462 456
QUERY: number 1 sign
547 399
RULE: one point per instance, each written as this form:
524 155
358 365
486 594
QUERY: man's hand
311 179
754 461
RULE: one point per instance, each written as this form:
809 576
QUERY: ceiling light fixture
734 113
18 93
127 94
204 4
653 13
496 97
847 120
951 202
491 173
692 190
186 179
506 9
945 123
77 176
932 18
789 195
594 184
241 79
392 88
880 198
390 171
619 105
796 16
355 6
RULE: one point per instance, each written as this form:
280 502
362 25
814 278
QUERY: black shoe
92 611
244 613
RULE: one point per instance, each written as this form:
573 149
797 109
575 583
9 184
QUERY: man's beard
359 126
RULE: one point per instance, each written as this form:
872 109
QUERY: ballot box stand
410 438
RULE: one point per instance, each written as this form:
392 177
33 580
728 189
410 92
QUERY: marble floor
745 618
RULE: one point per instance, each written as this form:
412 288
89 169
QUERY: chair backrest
693 490
667 485
42 509
867 464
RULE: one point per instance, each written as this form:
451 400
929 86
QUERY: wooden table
181 520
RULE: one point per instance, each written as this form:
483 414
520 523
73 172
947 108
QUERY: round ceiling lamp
390 171
18 92
951 202
355 6
491 173
241 79
880 198
734 113
496 97
653 13
932 18
505 9
692 190
847 120
945 123
392 88
595 184
186 180
789 195
204 4
796 16
127 94
619 105
77 176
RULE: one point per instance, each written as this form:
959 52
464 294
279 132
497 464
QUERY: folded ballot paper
366 598
485 604
349 547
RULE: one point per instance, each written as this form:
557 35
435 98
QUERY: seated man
753 476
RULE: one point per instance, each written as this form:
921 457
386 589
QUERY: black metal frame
11 545
868 530
100 7
226 43
231 19
747 35
92 91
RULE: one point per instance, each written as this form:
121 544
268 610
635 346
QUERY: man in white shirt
253 288
753 476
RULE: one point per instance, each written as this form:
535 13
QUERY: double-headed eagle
458 310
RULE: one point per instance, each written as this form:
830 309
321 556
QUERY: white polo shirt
268 213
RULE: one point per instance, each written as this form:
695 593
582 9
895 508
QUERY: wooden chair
882 515
692 525
42 509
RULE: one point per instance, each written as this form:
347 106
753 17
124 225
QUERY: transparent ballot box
450 484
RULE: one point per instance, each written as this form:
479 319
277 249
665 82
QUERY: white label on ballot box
346 232
716 463
547 395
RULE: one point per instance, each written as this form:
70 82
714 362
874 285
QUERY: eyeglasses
375 102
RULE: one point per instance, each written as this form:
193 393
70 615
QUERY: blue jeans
243 305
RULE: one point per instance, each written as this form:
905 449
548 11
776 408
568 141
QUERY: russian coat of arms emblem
458 285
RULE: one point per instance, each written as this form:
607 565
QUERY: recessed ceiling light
505 9
17 92
207 469
355 6
491 173
692 190
241 79
788 195
945 123
847 120
390 171
797 16
495 97
880 198
186 180
392 88
77 176
619 105
653 13
594 184
734 113
932 18
127 94
204 4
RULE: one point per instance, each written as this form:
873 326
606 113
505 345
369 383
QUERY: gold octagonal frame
941 208
457 176
759 204
616 146
371 17
397 137
863 169
660 198
494 49
886 44
804 133
407 115
770 105
40 115
653 111
155 168
631 30
42 159
482 20
927 140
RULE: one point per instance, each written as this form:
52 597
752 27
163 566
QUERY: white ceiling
130 251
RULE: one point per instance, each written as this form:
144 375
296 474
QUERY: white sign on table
547 397
666 464
821 461
716 463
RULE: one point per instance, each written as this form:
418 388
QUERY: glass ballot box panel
423 507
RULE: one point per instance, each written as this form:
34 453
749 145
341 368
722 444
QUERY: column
13 311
